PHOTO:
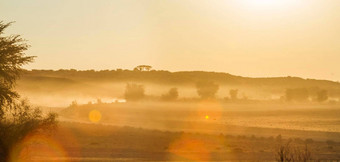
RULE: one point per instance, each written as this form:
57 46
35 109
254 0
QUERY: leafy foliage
17 118
12 58
22 119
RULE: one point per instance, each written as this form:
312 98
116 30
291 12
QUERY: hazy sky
257 38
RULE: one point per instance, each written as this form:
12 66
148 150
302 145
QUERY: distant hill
74 77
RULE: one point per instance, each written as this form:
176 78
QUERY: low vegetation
289 153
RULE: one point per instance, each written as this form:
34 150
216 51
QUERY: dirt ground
185 132
96 142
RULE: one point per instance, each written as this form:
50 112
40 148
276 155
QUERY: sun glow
95 116
33 144
268 4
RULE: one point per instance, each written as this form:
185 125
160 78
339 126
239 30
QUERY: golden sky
256 38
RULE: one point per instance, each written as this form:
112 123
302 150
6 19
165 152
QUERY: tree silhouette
297 94
233 94
134 92
17 119
206 90
143 68
12 58
171 95
322 95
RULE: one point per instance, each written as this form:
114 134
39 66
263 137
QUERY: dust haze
196 105
169 80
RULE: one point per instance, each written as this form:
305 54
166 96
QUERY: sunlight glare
263 4
33 143
95 116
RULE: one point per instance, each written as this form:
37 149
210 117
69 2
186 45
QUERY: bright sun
261 4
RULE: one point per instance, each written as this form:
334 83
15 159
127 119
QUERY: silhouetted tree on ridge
143 68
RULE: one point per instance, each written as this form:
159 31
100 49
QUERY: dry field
187 132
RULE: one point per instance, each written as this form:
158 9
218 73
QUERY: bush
287 153
207 90
22 119
171 95
134 92
322 95
297 94
233 94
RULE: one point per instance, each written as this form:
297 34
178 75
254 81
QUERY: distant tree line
208 90
205 90
145 73
303 94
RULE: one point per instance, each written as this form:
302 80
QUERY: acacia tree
143 68
12 58
17 118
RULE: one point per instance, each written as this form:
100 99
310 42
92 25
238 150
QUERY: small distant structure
143 68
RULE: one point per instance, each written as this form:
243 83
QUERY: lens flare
209 110
190 148
33 146
95 116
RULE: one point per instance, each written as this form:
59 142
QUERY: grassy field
186 132
97 142
213 117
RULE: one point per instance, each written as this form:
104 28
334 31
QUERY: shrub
233 94
288 153
134 92
297 94
171 95
22 119
207 90
322 95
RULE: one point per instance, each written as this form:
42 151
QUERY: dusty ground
183 132
95 142
321 121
